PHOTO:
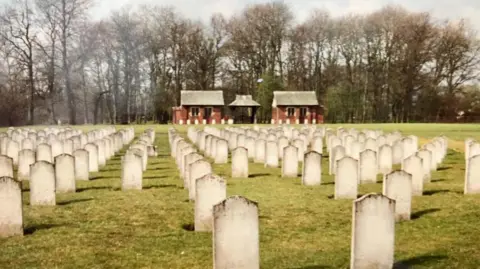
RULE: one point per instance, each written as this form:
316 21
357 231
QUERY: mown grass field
300 227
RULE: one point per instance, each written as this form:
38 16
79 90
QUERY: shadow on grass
74 201
328 183
419 214
102 177
437 180
432 192
189 227
111 170
35 228
312 267
331 197
162 187
444 168
155 177
94 188
258 175
419 260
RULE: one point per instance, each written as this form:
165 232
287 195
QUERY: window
195 111
303 112
290 111
208 112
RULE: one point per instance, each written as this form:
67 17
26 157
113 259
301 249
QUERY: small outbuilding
296 107
244 109
199 107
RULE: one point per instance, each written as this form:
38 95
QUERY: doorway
303 114
208 114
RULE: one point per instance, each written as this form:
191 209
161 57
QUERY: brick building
296 108
202 107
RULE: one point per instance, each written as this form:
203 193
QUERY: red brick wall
183 113
312 113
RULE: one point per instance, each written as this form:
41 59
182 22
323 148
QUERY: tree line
392 65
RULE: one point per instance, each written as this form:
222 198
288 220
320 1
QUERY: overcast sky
202 9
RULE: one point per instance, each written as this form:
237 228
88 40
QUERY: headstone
11 209
312 169
92 157
472 176
300 145
236 220
250 145
132 171
398 186
57 148
397 152
282 143
210 190
260 146
102 160
271 154
198 170
68 147
290 162
6 166
27 143
414 166
81 160
371 144
426 157
346 178
26 158
240 163
64 173
42 183
189 159
368 166
373 232
221 154
385 159
44 153
337 153
12 151
317 144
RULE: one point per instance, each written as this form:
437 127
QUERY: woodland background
392 65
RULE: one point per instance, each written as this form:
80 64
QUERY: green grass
300 227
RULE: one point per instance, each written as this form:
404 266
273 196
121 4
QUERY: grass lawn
300 227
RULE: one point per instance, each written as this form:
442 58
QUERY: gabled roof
201 98
300 98
244 100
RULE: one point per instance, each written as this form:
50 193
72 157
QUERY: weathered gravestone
42 183
240 163
300 145
92 157
221 156
317 144
260 146
6 166
44 153
26 158
64 173
12 151
426 157
290 162
210 190
27 143
57 148
312 169
337 153
371 144
198 170
271 154
102 160
346 178
398 186
236 241
68 147
373 232
385 159
368 166
282 143
472 176
132 171
11 212
250 145
414 166
81 164
397 152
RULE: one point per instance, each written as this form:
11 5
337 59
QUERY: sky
202 9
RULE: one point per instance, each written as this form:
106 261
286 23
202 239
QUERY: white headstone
92 157
132 171
198 170
426 157
6 166
337 153
44 153
346 178
472 176
414 166
317 144
312 169
271 154
368 166
385 159
398 186
373 232
240 163
81 164
42 183
210 190
11 209
260 146
236 220
290 162
13 149
64 173
221 154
